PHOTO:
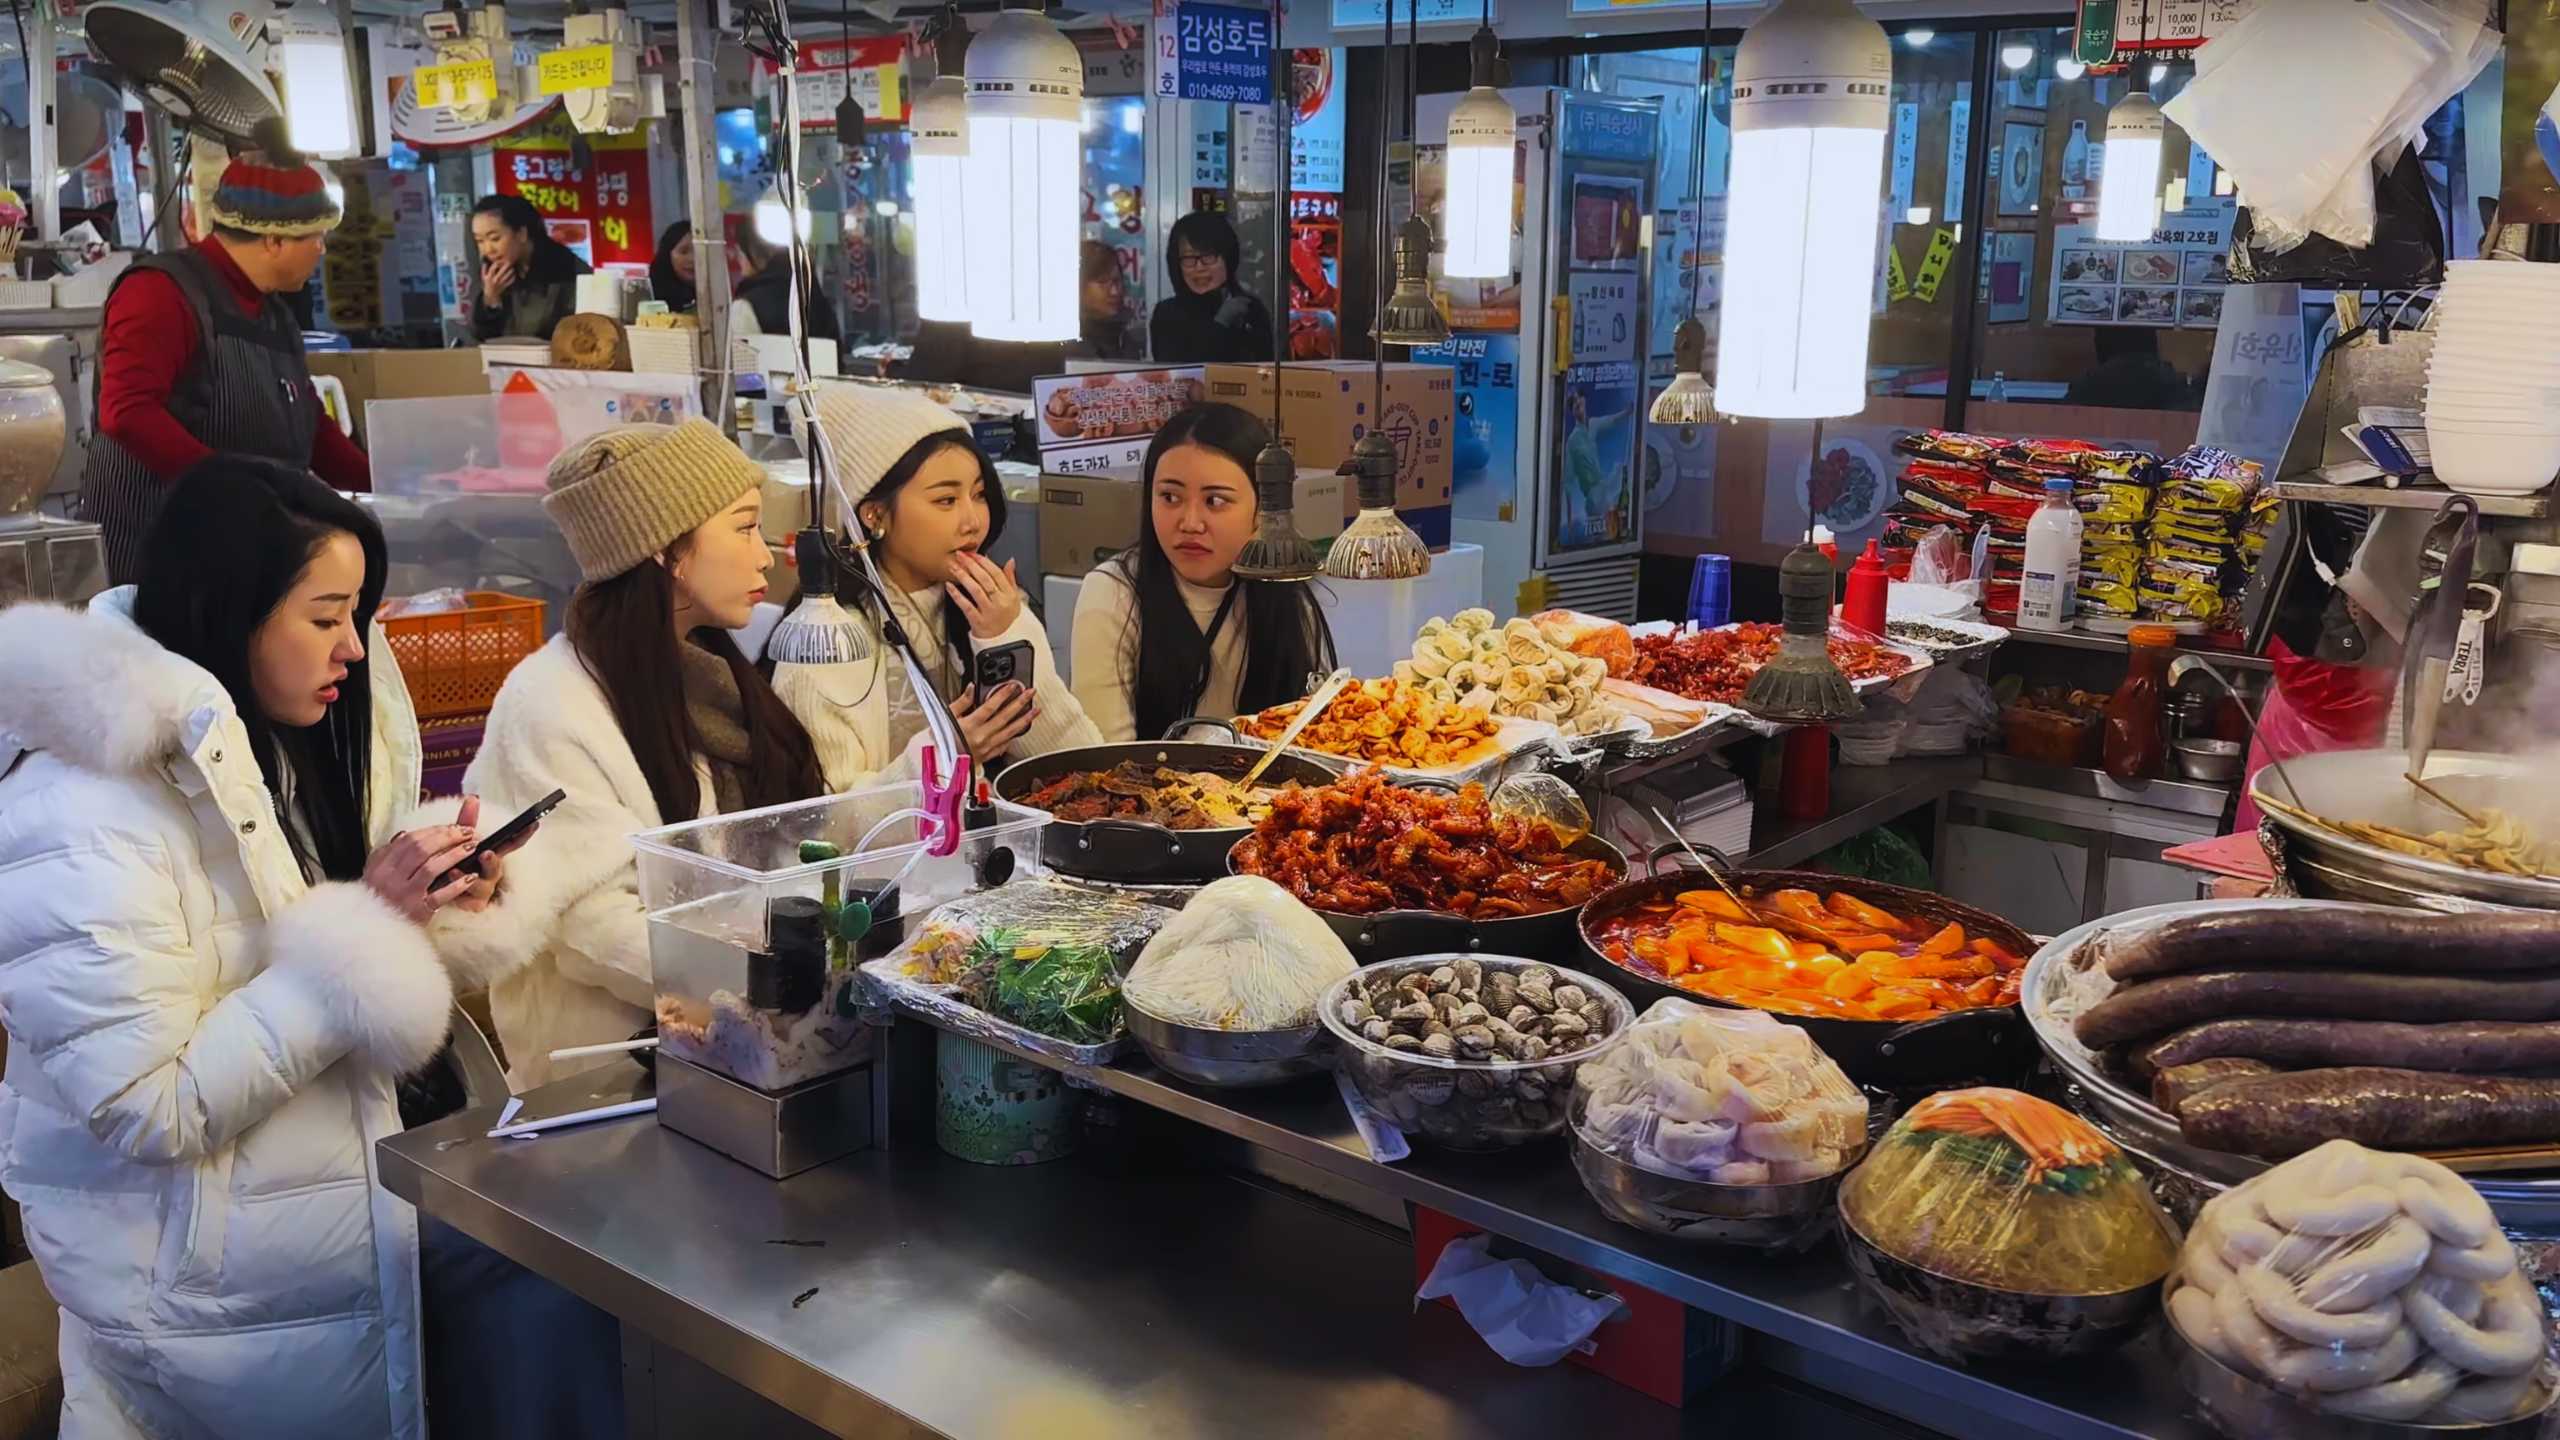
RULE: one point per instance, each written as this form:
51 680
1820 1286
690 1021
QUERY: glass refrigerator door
1599 263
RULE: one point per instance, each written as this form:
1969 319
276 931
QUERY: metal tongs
2433 631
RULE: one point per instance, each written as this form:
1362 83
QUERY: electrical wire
1698 151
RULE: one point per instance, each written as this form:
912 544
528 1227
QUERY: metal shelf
2118 645
2413 497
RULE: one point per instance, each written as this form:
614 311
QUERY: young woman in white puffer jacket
216 961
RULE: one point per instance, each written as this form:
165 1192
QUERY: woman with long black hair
216 962
671 276
1165 630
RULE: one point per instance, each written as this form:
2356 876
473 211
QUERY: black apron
247 392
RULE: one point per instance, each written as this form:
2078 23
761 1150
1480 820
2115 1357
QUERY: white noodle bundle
1243 955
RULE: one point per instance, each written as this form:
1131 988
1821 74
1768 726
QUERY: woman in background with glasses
1209 316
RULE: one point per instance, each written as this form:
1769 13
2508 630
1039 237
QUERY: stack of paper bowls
2493 386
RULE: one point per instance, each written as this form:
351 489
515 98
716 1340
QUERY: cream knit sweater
1106 652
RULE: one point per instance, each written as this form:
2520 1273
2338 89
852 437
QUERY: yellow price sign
465 82
587 67
1933 266
1897 286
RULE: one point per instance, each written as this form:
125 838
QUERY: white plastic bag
1527 1318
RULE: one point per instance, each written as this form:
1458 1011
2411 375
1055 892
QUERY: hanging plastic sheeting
2302 97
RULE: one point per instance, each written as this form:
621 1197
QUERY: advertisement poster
1595 496
603 198
1484 460
1603 311
874 67
1606 216
2021 168
1848 487
2176 278
1679 477
1684 254
1315 277
1112 404
2011 267
1318 84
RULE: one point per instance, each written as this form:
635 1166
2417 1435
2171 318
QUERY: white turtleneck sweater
1062 723
1106 652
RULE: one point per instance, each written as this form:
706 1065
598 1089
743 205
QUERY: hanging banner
1223 54
1933 266
606 196
1318 85
873 67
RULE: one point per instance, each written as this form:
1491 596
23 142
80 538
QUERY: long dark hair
620 629
1205 233
1286 638
664 283
956 648
234 538
517 213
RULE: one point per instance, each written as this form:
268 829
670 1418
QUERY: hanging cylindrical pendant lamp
1477 207
1021 180
1812 92
2129 187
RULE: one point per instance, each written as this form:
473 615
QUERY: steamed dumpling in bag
1243 955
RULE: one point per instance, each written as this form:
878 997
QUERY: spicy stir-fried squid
1364 846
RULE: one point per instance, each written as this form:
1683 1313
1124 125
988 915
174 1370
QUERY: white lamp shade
1476 212
1812 93
310 60
940 124
2129 187
1021 186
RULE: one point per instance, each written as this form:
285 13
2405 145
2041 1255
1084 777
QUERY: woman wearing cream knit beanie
644 711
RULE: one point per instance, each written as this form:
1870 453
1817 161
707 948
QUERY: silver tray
1720 718
2249 1409
2527 1204
2367 785
1987 638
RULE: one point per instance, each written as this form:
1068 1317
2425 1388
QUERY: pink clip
943 799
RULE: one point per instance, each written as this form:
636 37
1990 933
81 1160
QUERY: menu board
2175 278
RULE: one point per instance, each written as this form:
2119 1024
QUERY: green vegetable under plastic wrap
1068 992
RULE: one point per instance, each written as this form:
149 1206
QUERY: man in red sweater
199 354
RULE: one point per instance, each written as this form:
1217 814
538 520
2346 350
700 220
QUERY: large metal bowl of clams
1471 1052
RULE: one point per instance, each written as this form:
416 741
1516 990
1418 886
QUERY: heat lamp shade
1477 208
2129 188
940 124
1021 184
310 61
1800 257
1812 92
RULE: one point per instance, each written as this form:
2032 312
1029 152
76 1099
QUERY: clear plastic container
754 973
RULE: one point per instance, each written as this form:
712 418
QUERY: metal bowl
1965 1321
1231 1059
2368 785
1758 1217
2250 1409
2216 762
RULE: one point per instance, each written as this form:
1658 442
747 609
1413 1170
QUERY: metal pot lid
19 375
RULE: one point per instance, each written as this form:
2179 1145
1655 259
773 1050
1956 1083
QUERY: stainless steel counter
941 1298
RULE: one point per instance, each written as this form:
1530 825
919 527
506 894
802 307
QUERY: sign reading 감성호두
1223 54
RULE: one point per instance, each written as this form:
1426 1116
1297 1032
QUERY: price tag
1897 285
588 67
1933 266
446 87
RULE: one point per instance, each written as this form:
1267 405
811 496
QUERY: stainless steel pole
44 140
696 89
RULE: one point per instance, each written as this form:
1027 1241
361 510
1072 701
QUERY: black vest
247 391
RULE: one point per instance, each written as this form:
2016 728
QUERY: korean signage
1371 15
587 67
605 198
2175 278
1318 84
449 87
870 67
2153 25
1223 54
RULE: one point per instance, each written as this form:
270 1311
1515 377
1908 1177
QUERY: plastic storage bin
753 970
455 660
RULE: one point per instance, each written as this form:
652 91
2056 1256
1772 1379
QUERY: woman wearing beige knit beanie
645 712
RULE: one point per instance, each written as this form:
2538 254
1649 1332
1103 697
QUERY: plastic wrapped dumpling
2367 1285
1727 1097
1998 1189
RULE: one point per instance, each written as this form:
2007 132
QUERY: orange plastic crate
455 661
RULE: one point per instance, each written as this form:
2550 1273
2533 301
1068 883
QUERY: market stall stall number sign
449 87
1224 54
588 67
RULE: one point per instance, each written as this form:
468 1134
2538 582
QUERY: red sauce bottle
2136 735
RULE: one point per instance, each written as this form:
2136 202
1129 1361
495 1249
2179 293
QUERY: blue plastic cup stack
1711 591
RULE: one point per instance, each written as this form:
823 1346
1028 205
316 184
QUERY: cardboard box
399 375
1086 519
1325 408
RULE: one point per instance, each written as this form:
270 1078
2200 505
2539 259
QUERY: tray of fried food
1404 730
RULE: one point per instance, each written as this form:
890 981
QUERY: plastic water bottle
2050 591
1999 387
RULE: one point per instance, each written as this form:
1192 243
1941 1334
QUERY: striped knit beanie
290 202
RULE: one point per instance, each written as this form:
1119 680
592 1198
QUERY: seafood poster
2175 278
1315 276
1484 461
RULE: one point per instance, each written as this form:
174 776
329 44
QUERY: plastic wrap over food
2001 1190
1726 1097
1032 965
1043 912
2365 1284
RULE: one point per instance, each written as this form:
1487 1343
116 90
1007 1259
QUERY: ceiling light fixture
1483 134
939 123
1022 183
1812 91
308 52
